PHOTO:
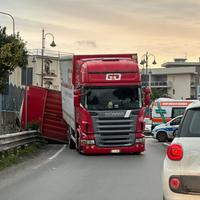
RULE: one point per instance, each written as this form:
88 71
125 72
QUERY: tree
13 54
159 93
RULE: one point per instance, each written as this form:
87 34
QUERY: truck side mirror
77 98
147 99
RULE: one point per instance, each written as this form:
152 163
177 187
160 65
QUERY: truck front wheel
71 142
78 145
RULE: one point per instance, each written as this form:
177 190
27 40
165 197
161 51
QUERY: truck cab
108 110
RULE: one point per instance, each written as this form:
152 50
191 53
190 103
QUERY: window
176 121
4 81
177 111
191 126
29 74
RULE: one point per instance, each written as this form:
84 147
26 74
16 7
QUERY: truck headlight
140 140
87 142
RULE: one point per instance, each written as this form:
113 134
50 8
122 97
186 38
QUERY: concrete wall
8 122
181 88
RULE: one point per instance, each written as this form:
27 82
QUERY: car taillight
175 152
175 184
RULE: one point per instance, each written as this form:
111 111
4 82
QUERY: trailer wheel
162 136
71 143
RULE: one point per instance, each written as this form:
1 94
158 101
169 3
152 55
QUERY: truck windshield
112 98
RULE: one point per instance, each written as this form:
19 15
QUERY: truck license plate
115 151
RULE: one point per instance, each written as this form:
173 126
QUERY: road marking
41 164
57 153
49 159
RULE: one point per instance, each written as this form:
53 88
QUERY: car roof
194 105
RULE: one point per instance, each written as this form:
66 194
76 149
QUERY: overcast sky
165 28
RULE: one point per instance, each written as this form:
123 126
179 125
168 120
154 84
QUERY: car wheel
162 137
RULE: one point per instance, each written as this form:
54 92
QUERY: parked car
181 170
164 132
148 124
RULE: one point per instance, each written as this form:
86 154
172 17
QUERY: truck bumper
93 149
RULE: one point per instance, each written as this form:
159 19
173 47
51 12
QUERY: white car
181 171
164 132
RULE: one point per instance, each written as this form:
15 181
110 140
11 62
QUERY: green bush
34 125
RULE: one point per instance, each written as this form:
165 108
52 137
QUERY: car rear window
190 126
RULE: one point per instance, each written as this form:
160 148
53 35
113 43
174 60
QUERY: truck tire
71 142
162 136
78 147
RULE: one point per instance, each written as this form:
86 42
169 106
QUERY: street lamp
145 60
53 44
4 13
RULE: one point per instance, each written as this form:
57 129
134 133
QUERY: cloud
164 27
86 43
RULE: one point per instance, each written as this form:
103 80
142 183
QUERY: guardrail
14 140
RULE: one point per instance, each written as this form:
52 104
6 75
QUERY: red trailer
42 108
102 103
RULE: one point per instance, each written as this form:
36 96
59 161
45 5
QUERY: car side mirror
147 99
77 98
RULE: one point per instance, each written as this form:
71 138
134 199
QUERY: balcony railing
158 84
49 75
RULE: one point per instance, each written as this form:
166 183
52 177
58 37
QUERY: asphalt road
58 173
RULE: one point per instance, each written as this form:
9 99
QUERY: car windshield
112 98
191 126
175 121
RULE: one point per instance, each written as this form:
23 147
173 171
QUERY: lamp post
4 13
145 60
53 44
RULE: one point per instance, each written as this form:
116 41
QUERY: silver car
181 171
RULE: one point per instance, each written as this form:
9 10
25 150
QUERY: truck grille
114 130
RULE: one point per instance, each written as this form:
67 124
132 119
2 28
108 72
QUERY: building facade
31 75
179 79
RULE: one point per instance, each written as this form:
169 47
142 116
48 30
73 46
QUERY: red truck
102 103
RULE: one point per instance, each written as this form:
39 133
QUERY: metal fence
13 140
11 98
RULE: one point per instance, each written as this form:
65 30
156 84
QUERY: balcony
50 75
158 84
